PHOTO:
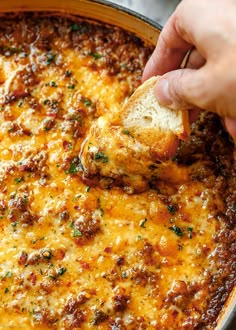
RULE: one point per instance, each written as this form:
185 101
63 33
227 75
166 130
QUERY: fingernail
162 92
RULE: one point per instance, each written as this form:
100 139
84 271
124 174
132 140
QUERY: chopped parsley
25 199
46 101
75 27
95 55
52 277
37 239
8 274
171 208
76 232
67 145
50 58
14 224
100 207
13 50
177 230
75 166
20 103
32 312
87 102
68 73
53 84
126 131
61 271
87 189
190 230
18 180
74 199
48 124
124 275
71 86
101 156
142 223
47 254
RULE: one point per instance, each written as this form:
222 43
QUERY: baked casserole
83 254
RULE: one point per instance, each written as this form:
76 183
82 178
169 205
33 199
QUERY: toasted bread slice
124 148
154 125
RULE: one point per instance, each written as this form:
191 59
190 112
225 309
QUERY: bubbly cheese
75 255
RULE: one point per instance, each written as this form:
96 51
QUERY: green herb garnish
50 58
101 156
126 131
68 73
46 101
47 254
95 55
76 232
61 271
124 275
52 277
190 230
20 103
18 180
73 168
8 274
13 50
177 230
87 102
53 84
142 223
75 27
87 189
171 209
71 86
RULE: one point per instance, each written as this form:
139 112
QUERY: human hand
209 81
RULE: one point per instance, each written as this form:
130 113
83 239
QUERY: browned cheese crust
77 256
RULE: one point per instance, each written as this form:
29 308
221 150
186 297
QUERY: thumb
182 89
231 127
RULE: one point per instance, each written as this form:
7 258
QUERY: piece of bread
154 125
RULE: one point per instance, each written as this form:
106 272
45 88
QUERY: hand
208 28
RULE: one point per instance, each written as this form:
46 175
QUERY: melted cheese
75 256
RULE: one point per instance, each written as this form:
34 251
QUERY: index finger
169 53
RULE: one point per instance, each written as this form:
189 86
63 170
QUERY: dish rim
224 322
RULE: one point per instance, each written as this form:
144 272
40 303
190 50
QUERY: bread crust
154 125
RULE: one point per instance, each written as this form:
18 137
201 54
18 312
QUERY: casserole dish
147 31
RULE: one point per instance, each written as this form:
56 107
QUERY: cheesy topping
78 256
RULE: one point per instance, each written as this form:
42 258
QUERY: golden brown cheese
75 256
111 156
